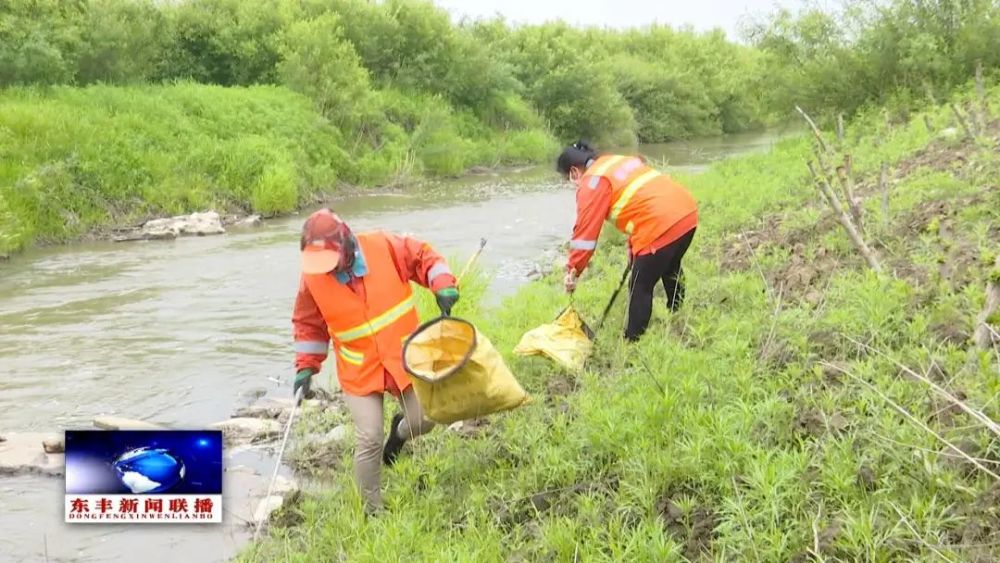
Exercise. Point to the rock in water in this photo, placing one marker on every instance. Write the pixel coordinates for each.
(119, 423)
(208, 223)
(20, 453)
(285, 487)
(53, 446)
(160, 229)
(248, 222)
(198, 224)
(265, 508)
(247, 430)
(266, 407)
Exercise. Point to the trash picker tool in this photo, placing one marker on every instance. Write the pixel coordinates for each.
(277, 463)
(614, 296)
(465, 270)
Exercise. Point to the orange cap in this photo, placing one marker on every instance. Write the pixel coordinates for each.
(322, 240)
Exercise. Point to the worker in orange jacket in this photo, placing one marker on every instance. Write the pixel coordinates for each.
(657, 213)
(355, 290)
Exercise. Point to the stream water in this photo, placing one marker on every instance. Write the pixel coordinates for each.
(183, 332)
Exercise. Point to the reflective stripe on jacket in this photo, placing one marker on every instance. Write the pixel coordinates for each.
(650, 207)
(369, 318)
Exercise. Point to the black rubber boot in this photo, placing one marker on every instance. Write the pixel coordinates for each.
(394, 444)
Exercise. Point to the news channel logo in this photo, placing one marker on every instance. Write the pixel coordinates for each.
(143, 476)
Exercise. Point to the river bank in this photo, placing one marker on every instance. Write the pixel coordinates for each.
(165, 150)
(797, 421)
(685, 157)
(185, 332)
(208, 222)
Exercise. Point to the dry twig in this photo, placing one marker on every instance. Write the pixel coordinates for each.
(844, 175)
(753, 258)
(915, 534)
(974, 413)
(845, 221)
(815, 130)
(962, 121)
(982, 336)
(984, 105)
(883, 186)
(914, 419)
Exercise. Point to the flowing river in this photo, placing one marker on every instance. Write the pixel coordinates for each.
(183, 332)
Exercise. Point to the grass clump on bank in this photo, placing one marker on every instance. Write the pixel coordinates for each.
(76, 159)
(774, 439)
(79, 159)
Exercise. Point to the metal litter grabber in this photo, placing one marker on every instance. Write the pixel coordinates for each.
(607, 308)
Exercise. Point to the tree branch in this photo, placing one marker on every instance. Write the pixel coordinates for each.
(815, 130)
(844, 175)
(914, 419)
(823, 185)
(962, 121)
(982, 336)
(884, 188)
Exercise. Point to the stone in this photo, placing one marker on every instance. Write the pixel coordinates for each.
(263, 411)
(284, 487)
(314, 404)
(338, 434)
(250, 222)
(265, 508)
(246, 430)
(949, 133)
(160, 232)
(208, 223)
(53, 446)
(119, 423)
(278, 408)
(196, 224)
(22, 454)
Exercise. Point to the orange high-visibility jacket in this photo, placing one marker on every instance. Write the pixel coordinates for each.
(370, 317)
(653, 209)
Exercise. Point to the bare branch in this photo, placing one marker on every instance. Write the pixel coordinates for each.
(914, 420)
(844, 175)
(984, 105)
(962, 121)
(765, 350)
(976, 414)
(859, 242)
(982, 336)
(753, 258)
(815, 527)
(884, 188)
(815, 130)
(930, 451)
(917, 535)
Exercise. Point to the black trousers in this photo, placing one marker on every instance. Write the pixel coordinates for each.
(664, 266)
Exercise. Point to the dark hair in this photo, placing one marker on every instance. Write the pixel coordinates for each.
(577, 154)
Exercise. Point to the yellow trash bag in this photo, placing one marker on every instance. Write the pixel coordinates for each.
(457, 373)
(567, 341)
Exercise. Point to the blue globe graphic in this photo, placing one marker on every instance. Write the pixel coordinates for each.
(148, 470)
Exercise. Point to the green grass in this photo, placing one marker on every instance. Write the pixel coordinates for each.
(758, 450)
(77, 159)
